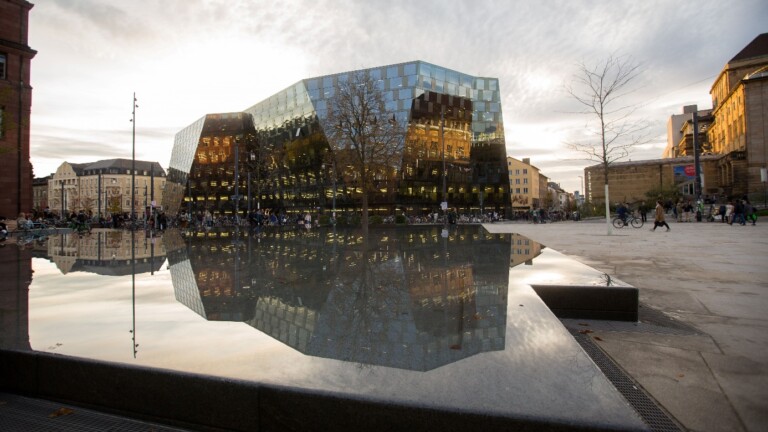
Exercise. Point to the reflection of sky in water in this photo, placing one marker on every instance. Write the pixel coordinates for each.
(540, 366)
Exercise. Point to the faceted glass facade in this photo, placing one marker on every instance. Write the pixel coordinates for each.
(280, 144)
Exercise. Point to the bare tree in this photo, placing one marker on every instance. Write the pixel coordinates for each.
(366, 141)
(601, 90)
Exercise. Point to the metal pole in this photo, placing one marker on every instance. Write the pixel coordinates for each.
(62, 200)
(444, 204)
(696, 153)
(98, 198)
(133, 160)
(237, 184)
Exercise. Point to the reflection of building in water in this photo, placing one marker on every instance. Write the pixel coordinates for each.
(107, 252)
(409, 299)
(523, 250)
(16, 270)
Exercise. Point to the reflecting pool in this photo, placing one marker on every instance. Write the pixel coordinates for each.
(405, 315)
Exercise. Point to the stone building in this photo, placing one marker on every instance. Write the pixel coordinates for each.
(15, 101)
(104, 187)
(740, 119)
(633, 181)
(523, 184)
(40, 193)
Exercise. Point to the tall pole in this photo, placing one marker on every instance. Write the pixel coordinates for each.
(236, 197)
(444, 204)
(696, 153)
(98, 198)
(133, 160)
(63, 217)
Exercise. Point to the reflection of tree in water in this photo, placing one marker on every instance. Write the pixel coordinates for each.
(365, 308)
(406, 298)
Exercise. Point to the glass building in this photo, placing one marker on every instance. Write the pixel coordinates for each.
(272, 155)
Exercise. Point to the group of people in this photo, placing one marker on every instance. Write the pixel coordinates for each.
(739, 211)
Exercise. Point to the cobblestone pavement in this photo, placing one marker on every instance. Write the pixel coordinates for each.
(711, 276)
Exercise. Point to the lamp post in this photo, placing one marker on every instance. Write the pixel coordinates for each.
(133, 159)
(62, 200)
(444, 204)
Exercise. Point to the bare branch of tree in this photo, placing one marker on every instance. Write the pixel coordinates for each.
(365, 139)
(601, 89)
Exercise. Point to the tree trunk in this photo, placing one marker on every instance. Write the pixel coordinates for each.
(608, 212)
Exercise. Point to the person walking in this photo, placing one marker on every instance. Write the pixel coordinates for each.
(659, 220)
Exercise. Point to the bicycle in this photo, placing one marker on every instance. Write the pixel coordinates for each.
(633, 220)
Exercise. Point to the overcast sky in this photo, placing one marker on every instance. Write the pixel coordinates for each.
(186, 58)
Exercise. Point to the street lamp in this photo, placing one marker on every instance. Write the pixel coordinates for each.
(444, 204)
(133, 159)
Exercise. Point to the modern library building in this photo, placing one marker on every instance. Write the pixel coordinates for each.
(275, 155)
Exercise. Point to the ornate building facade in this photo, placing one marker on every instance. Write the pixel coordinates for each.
(104, 187)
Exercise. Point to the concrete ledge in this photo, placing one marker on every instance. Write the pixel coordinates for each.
(615, 303)
(211, 403)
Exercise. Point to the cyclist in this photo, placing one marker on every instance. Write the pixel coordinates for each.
(622, 213)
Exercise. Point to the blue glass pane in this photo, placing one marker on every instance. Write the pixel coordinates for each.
(439, 73)
(493, 85)
(328, 82)
(439, 86)
(479, 106)
(379, 85)
(376, 74)
(411, 80)
(396, 83)
(426, 82)
(312, 84)
(425, 69)
(495, 107)
(410, 69)
(391, 71)
(466, 81)
(343, 78)
(452, 77)
(479, 83)
(406, 93)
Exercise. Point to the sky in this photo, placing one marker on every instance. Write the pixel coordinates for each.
(186, 58)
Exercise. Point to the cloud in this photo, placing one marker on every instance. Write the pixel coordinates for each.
(185, 58)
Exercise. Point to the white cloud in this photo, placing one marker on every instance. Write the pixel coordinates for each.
(188, 58)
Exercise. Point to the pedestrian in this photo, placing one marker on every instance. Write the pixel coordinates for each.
(659, 220)
(721, 212)
(729, 212)
(750, 211)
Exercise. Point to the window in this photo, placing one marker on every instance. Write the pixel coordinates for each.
(3, 65)
(525, 170)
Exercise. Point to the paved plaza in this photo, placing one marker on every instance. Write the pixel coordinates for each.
(711, 276)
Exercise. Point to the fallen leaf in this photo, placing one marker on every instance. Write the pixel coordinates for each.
(680, 375)
(598, 338)
(585, 331)
(477, 316)
(456, 347)
(583, 324)
(61, 412)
